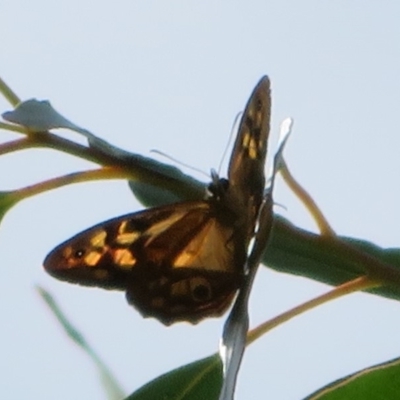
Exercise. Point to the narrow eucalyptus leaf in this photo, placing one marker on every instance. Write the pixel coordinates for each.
(299, 252)
(291, 249)
(200, 380)
(7, 201)
(380, 381)
(39, 116)
(109, 382)
(152, 195)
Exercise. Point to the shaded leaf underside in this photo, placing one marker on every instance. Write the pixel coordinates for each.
(291, 249)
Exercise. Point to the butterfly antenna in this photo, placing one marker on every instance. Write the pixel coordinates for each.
(182, 164)
(233, 130)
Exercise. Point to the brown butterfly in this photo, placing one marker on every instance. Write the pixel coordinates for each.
(184, 261)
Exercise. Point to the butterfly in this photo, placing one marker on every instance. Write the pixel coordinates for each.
(183, 261)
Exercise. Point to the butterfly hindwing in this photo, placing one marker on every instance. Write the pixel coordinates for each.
(184, 261)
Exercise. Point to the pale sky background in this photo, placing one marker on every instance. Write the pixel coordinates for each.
(172, 75)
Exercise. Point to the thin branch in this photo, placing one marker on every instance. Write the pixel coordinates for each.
(76, 177)
(8, 93)
(135, 167)
(12, 128)
(355, 285)
(307, 200)
(51, 141)
(16, 145)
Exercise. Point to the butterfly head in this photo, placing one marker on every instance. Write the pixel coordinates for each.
(218, 187)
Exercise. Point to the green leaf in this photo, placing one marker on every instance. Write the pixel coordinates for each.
(380, 382)
(291, 249)
(153, 195)
(110, 384)
(40, 116)
(199, 380)
(299, 252)
(7, 201)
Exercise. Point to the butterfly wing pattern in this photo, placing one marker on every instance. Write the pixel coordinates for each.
(184, 261)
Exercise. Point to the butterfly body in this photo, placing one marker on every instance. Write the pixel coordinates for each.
(184, 261)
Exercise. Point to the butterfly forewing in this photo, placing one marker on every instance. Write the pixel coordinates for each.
(176, 262)
(247, 163)
(185, 261)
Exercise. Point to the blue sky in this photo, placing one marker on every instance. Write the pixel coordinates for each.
(172, 76)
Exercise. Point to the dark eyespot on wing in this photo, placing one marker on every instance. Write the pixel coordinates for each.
(189, 295)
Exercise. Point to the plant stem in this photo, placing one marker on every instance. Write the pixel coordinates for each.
(76, 177)
(355, 285)
(8, 93)
(12, 128)
(307, 200)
